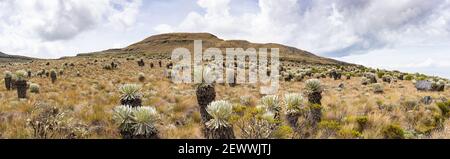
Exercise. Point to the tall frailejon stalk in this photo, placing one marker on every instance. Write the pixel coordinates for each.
(29, 73)
(141, 63)
(313, 89)
(136, 123)
(294, 106)
(219, 127)
(206, 94)
(13, 81)
(53, 75)
(8, 79)
(21, 84)
(131, 95)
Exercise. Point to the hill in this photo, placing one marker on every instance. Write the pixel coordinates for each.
(164, 44)
(13, 58)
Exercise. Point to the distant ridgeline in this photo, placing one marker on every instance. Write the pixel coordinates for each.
(13, 58)
(162, 46)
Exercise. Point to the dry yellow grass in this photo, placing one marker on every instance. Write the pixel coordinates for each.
(91, 98)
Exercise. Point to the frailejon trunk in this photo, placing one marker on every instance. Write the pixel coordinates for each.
(316, 116)
(292, 119)
(13, 84)
(220, 133)
(8, 83)
(205, 95)
(133, 103)
(315, 98)
(53, 76)
(129, 135)
(21, 89)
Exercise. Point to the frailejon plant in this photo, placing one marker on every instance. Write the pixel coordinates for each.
(53, 75)
(144, 119)
(141, 63)
(372, 77)
(272, 103)
(29, 73)
(136, 123)
(131, 95)
(438, 86)
(8, 79)
(21, 84)
(387, 78)
(34, 88)
(219, 127)
(141, 77)
(13, 81)
(313, 90)
(294, 106)
(377, 88)
(206, 94)
(315, 114)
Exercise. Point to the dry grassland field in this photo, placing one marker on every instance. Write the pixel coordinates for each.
(80, 98)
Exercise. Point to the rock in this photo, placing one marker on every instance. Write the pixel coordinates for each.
(427, 100)
(423, 85)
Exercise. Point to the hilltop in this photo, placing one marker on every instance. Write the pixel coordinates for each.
(164, 44)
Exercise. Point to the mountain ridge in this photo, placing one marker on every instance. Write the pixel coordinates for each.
(14, 58)
(164, 44)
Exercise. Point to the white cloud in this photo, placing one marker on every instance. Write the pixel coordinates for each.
(376, 33)
(35, 27)
(333, 28)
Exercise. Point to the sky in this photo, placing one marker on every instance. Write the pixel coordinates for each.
(405, 35)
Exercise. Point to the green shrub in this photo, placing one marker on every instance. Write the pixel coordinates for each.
(409, 77)
(380, 74)
(362, 122)
(444, 107)
(393, 132)
(283, 132)
(410, 104)
(349, 134)
(329, 125)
